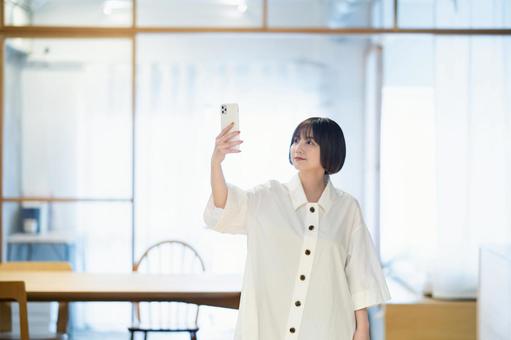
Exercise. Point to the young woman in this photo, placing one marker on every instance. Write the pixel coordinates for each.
(311, 269)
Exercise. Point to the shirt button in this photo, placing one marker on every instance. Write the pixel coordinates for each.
(302, 277)
(298, 303)
(311, 227)
(292, 329)
(312, 209)
(307, 252)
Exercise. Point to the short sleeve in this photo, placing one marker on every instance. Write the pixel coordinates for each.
(232, 218)
(363, 269)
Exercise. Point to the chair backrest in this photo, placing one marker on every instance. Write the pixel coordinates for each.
(169, 257)
(63, 314)
(15, 291)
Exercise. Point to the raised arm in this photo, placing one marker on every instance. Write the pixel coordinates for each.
(224, 144)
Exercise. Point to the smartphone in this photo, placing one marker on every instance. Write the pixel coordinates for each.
(230, 114)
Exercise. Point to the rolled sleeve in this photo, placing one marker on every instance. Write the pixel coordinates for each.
(233, 218)
(363, 271)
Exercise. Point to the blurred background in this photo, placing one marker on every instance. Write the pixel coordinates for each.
(110, 109)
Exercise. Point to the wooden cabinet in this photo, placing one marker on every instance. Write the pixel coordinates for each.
(412, 316)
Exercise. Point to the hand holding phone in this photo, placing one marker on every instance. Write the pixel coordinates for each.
(228, 140)
(230, 114)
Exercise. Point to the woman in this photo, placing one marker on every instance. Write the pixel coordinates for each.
(311, 269)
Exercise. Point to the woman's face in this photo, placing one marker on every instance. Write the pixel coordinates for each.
(305, 153)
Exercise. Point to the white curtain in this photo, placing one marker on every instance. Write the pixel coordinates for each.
(446, 145)
(446, 158)
(473, 148)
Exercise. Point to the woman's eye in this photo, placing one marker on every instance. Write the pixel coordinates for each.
(309, 142)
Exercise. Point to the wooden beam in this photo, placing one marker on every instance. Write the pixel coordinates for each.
(395, 15)
(265, 14)
(108, 32)
(2, 65)
(2, 13)
(134, 14)
(133, 140)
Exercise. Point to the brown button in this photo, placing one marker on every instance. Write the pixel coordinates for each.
(297, 303)
(311, 227)
(312, 209)
(302, 277)
(292, 329)
(307, 252)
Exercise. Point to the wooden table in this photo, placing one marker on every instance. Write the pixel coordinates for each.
(220, 290)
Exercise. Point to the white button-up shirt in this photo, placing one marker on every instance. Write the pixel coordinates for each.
(309, 266)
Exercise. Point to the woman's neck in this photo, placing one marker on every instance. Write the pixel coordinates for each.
(313, 184)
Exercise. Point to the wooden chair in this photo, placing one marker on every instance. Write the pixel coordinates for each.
(15, 291)
(63, 311)
(167, 257)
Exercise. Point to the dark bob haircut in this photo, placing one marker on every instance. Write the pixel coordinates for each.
(328, 134)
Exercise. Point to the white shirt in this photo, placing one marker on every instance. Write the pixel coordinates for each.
(309, 266)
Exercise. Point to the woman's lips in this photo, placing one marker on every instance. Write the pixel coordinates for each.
(299, 159)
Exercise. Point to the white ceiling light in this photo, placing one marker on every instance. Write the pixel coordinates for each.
(110, 6)
(242, 7)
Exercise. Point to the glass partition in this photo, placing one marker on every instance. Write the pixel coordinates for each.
(455, 14)
(117, 13)
(200, 13)
(67, 118)
(330, 14)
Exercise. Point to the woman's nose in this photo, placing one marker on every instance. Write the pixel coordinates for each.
(299, 149)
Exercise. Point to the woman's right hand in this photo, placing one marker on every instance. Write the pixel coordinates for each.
(225, 144)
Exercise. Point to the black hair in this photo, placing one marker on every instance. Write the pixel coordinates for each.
(328, 134)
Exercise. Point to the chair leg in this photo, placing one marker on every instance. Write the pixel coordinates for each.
(132, 335)
(5, 317)
(145, 335)
(193, 336)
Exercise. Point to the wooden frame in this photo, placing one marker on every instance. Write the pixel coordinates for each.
(2, 57)
(132, 32)
(133, 127)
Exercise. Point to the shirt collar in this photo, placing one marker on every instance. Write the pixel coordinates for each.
(298, 197)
